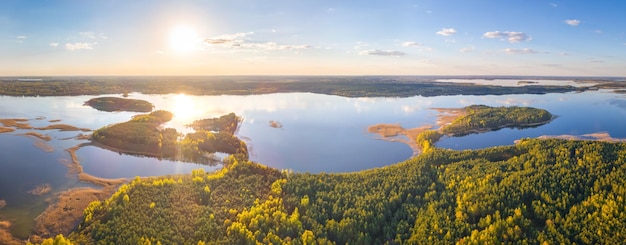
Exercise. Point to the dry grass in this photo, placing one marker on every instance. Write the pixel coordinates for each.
(6, 130)
(43, 145)
(67, 212)
(64, 127)
(38, 135)
(19, 123)
(41, 189)
(389, 132)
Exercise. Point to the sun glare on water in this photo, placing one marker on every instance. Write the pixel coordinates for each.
(184, 107)
(183, 39)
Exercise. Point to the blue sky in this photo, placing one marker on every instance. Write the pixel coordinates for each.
(314, 37)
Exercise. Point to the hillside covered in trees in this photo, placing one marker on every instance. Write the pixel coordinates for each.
(537, 191)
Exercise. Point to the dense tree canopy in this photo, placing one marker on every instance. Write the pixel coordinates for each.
(119, 104)
(481, 118)
(143, 135)
(537, 191)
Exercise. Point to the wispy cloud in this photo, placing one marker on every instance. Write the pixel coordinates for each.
(53, 44)
(79, 46)
(510, 36)
(360, 45)
(572, 22)
(382, 52)
(411, 44)
(20, 39)
(240, 41)
(521, 51)
(467, 49)
(446, 32)
(92, 35)
(554, 5)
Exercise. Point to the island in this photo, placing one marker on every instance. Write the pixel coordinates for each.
(457, 122)
(144, 135)
(119, 104)
(482, 118)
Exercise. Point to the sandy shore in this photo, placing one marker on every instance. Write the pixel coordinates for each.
(448, 115)
(19, 123)
(390, 132)
(6, 130)
(5, 235)
(67, 212)
(38, 135)
(62, 216)
(64, 127)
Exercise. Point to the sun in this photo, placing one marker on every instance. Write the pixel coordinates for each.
(183, 39)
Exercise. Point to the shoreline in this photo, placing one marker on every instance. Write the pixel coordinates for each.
(390, 131)
(526, 125)
(65, 212)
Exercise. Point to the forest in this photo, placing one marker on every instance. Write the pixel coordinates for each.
(359, 86)
(481, 118)
(119, 104)
(142, 135)
(535, 192)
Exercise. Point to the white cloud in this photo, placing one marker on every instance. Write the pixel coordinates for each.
(554, 5)
(331, 10)
(446, 32)
(520, 51)
(510, 36)
(79, 46)
(92, 35)
(572, 22)
(20, 39)
(563, 54)
(159, 52)
(467, 49)
(382, 52)
(53, 44)
(227, 39)
(239, 41)
(411, 44)
(360, 45)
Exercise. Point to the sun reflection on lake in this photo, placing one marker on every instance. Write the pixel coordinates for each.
(184, 107)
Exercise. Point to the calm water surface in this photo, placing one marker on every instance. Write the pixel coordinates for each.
(320, 133)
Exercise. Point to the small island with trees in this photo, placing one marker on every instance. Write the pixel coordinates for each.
(119, 104)
(143, 135)
(457, 122)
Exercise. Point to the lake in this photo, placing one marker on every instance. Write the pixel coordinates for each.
(319, 133)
